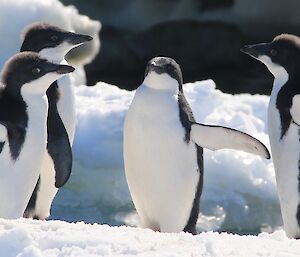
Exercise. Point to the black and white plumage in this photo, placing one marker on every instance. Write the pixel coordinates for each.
(163, 152)
(53, 43)
(23, 116)
(282, 58)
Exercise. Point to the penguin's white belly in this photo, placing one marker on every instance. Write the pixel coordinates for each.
(19, 177)
(286, 155)
(161, 168)
(47, 189)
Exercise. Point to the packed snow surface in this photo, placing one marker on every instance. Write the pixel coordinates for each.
(239, 189)
(28, 238)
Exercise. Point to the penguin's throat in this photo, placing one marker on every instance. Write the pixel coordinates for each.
(280, 74)
(280, 79)
(161, 82)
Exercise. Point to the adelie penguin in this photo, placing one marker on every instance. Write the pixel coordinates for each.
(163, 150)
(282, 58)
(23, 127)
(53, 43)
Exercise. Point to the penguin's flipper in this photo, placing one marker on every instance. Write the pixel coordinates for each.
(295, 109)
(58, 146)
(60, 150)
(3, 136)
(217, 137)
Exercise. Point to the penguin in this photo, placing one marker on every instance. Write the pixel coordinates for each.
(23, 127)
(163, 150)
(282, 58)
(53, 43)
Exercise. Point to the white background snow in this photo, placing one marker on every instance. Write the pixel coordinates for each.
(239, 189)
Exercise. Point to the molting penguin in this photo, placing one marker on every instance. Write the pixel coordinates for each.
(163, 152)
(23, 119)
(53, 43)
(282, 58)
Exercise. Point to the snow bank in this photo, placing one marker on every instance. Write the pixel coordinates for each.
(239, 189)
(15, 15)
(27, 238)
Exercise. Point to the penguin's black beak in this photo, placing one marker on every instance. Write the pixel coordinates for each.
(65, 69)
(60, 69)
(77, 39)
(257, 50)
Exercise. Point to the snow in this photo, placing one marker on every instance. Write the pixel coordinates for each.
(28, 238)
(53, 12)
(239, 189)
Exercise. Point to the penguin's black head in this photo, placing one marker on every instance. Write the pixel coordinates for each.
(50, 41)
(283, 51)
(164, 66)
(29, 73)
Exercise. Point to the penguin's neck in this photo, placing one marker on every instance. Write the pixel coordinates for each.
(66, 103)
(58, 60)
(161, 82)
(281, 76)
(53, 56)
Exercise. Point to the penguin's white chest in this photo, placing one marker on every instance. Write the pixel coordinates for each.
(285, 155)
(161, 167)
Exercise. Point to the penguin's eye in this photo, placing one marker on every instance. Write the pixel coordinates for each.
(54, 38)
(273, 52)
(36, 71)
